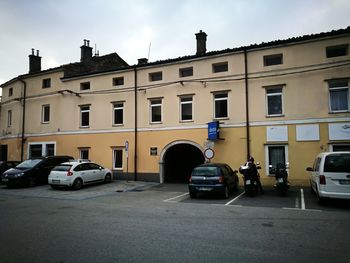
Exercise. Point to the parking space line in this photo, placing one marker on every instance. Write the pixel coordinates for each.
(173, 198)
(302, 199)
(234, 199)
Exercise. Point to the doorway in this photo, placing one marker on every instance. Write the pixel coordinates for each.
(179, 159)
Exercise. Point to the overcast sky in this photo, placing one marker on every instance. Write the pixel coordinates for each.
(57, 28)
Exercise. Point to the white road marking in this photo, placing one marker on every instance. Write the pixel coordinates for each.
(234, 199)
(302, 199)
(173, 198)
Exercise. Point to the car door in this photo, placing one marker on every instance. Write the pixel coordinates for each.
(96, 172)
(82, 171)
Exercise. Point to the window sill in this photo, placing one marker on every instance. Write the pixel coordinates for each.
(118, 125)
(45, 122)
(84, 127)
(340, 111)
(221, 118)
(275, 116)
(186, 121)
(118, 169)
(158, 122)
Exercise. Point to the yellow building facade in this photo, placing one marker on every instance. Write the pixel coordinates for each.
(282, 101)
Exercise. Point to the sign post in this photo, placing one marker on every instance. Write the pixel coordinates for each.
(209, 154)
(127, 158)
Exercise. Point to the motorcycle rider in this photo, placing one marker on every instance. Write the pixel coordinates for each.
(255, 173)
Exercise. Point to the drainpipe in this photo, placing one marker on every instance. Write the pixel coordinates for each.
(23, 117)
(247, 101)
(135, 132)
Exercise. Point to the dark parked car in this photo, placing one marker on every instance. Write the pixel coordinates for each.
(5, 165)
(33, 171)
(213, 177)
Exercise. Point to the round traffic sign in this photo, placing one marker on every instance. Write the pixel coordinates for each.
(209, 153)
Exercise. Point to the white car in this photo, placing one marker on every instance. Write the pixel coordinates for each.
(330, 175)
(78, 173)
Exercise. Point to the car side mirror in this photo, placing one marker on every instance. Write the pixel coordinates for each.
(309, 169)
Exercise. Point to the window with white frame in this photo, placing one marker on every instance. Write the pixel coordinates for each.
(39, 149)
(186, 108)
(274, 101)
(221, 105)
(9, 118)
(84, 153)
(339, 96)
(156, 110)
(117, 159)
(275, 154)
(45, 114)
(84, 116)
(118, 113)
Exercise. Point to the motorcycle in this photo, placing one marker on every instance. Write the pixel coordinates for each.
(281, 176)
(250, 178)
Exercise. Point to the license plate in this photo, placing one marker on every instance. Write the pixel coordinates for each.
(205, 189)
(5, 180)
(344, 181)
(247, 182)
(280, 180)
(56, 181)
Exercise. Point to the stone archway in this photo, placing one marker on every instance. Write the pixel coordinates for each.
(177, 161)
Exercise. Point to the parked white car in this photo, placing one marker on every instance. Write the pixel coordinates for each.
(78, 173)
(330, 175)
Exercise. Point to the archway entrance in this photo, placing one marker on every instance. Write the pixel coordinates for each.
(179, 160)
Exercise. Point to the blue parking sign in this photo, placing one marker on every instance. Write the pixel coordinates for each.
(213, 130)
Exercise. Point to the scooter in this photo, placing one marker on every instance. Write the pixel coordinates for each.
(250, 177)
(281, 176)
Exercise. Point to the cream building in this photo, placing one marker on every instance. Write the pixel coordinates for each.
(282, 101)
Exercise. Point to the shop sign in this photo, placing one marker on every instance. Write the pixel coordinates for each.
(213, 130)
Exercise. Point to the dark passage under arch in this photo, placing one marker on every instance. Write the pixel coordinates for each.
(179, 160)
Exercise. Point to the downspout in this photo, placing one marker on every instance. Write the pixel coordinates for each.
(23, 117)
(247, 101)
(135, 132)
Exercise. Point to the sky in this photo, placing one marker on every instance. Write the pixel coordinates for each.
(158, 29)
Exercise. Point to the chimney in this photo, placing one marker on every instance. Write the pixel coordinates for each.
(86, 51)
(201, 43)
(34, 62)
(142, 61)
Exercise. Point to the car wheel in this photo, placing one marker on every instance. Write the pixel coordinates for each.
(193, 194)
(78, 184)
(32, 181)
(226, 192)
(108, 178)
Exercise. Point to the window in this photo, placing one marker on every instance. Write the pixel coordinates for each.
(84, 153)
(276, 154)
(220, 105)
(118, 113)
(10, 92)
(118, 159)
(84, 116)
(156, 110)
(118, 81)
(186, 108)
(85, 86)
(9, 118)
(186, 72)
(271, 60)
(36, 150)
(340, 147)
(45, 114)
(274, 101)
(337, 51)
(46, 83)
(155, 76)
(220, 67)
(338, 96)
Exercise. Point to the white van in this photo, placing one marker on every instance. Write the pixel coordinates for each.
(330, 175)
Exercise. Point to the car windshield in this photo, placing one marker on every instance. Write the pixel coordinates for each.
(338, 163)
(205, 171)
(62, 167)
(29, 163)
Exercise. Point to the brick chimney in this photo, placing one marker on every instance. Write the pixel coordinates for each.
(201, 43)
(86, 51)
(34, 62)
